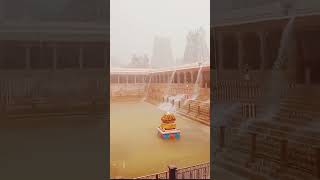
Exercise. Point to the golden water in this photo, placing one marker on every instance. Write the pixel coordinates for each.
(136, 150)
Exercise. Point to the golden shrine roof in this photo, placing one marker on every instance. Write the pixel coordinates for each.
(168, 118)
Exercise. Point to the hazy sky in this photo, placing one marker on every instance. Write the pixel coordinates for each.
(134, 23)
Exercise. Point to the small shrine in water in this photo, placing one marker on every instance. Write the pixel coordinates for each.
(167, 129)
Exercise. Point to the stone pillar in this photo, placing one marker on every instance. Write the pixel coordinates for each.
(118, 79)
(81, 57)
(185, 76)
(262, 37)
(135, 79)
(253, 147)
(240, 50)
(127, 79)
(27, 54)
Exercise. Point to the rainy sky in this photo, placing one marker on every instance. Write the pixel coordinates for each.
(135, 23)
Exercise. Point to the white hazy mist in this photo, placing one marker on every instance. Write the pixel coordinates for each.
(135, 23)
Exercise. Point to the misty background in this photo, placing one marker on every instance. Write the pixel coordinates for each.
(134, 25)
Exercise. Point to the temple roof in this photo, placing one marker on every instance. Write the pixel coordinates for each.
(130, 70)
(157, 70)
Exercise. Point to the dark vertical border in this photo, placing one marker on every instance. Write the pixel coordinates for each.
(211, 89)
(107, 74)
